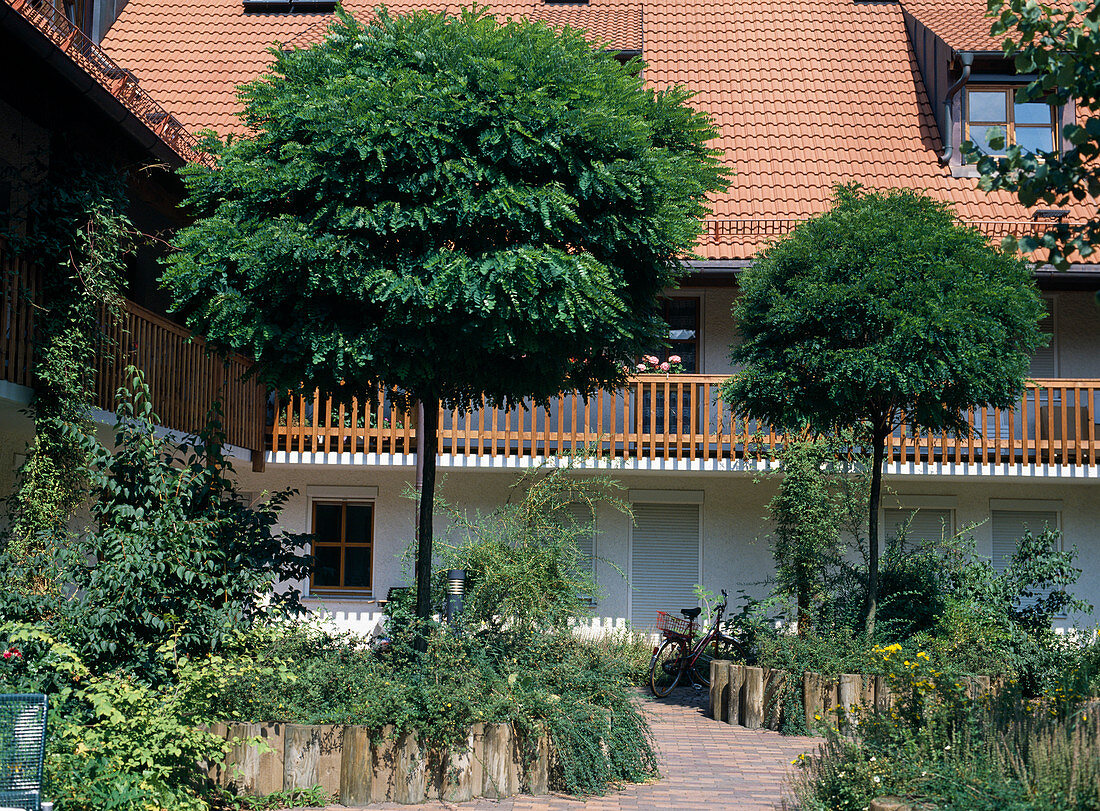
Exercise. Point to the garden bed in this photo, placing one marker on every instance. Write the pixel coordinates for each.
(757, 697)
(361, 766)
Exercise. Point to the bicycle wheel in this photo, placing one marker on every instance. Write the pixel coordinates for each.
(666, 667)
(722, 649)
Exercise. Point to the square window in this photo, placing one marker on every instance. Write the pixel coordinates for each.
(343, 548)
(994, 112)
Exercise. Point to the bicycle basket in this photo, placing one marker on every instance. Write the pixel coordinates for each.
(673, 625)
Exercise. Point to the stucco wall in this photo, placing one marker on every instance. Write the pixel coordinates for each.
(1077, 334)
(1076, 331)
(735, 552)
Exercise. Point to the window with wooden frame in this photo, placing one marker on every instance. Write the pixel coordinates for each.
(996, 111)
(682, 315)
(343, 546)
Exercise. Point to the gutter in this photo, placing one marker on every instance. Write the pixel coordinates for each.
(967, 59)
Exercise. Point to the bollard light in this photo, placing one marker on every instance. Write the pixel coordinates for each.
(456, 592)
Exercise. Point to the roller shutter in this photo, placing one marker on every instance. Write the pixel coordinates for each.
(664, 560)
(927, 524)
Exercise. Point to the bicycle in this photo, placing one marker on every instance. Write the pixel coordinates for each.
(677, 654)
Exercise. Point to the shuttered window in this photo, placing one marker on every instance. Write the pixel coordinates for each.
(1044, 364)
(664, 560)
(1009, 527)
(924, 524)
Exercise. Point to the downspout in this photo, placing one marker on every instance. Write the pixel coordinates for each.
(967, 60)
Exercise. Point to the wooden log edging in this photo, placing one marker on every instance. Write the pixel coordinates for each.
(756, 697)
(360, 767)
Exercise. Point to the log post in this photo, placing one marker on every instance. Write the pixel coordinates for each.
(719, 690)
(735, 691)
(754, 698)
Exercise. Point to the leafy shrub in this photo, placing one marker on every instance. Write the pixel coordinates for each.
(173, 553)
(113, 742)
(939, 747)
(522, 561)
(579, 692)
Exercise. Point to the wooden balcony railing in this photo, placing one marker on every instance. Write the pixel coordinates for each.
(183, 378)
(682, 417)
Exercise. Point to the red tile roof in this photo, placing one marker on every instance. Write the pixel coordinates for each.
(961, 24)
(620, 28)
(73, 43)
(806, 93)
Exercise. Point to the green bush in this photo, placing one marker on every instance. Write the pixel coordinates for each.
(172, 553)
(940, 747)
(523, 565)
(114, 742)
(580, 693)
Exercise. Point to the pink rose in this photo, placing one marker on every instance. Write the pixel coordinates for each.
(665, 367)
(651, 359)
(641, 367)
(673, 358)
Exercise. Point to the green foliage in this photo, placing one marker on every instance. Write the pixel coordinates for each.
(79, 236)
(1002, 622)
(883, 310)
(449, 205)
(173, 554)
(884, 306)
(944, 600)
(819, 502)
(523, 566)
(580, 693)
(1057, 44)
(113, 743)
(939, 746)
(177, 556)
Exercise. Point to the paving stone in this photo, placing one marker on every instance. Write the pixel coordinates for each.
(704, 765)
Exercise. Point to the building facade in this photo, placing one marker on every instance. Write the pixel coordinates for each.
(806, 95)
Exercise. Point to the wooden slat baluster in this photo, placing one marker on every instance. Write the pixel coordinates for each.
(1049, 445)
(1091, 418)
(598, 439)
(341, 428)
(1066, 427)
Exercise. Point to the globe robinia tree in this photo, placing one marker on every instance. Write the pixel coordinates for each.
(886, 308)
(448, 206)
(1060, 46)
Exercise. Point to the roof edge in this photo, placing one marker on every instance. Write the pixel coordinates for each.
(110, 86)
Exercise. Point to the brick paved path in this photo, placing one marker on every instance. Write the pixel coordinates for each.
(704, 765)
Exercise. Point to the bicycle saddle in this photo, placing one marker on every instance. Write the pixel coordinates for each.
(691, 613)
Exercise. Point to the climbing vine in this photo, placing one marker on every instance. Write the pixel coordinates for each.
(79, 236)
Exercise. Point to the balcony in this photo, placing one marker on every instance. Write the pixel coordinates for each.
(183, 377)
(679, 422)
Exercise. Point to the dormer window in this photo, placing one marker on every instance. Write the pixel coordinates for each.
(995, 111)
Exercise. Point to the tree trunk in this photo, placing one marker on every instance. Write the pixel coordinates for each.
(877, 454)
(429, 429)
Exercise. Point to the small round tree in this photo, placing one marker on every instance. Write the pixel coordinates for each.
(884, 309)
(450, 206)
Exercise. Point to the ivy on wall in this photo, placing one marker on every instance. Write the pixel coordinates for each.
(79, 235)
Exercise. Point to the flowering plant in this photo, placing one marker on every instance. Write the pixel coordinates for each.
(651, 364)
